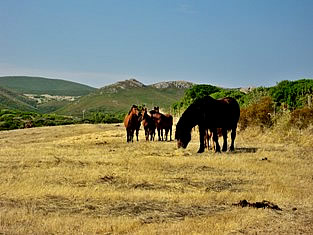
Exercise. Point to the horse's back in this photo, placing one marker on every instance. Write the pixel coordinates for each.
(220, 113)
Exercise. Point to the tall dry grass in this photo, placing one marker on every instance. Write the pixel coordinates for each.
(86, 179)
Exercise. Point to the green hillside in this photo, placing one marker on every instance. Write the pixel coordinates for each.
(119, 97)
(12, 100)
(39, 85)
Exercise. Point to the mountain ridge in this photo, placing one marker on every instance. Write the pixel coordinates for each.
(119, 96)
(134, 83)
(12, 100)
(113, 98)
(41, 85)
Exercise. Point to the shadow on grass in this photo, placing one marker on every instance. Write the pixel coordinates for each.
(245, 150)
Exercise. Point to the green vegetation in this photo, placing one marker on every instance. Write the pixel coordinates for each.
(262, 106)
(12, 100)
(39, 85)
(10, 119)
(293, 94)
(99, 117)
(290, 94)
(109, 101)
(13, 119)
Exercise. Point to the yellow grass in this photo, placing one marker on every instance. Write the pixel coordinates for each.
(85, 179)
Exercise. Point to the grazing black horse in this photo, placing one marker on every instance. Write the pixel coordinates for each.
(209, 113)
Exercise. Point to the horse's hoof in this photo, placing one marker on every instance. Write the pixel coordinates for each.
(217, 150)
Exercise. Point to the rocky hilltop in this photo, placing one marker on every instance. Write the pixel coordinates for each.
(173, 84)
(133, 83)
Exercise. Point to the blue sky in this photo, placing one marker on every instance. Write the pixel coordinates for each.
(229, 43)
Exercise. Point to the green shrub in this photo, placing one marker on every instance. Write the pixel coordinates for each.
(11, 119)
(100, 117)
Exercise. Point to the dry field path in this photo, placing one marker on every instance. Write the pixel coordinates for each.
(85, 179)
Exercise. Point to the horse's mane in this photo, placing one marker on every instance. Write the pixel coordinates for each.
(190, 117)
(193, 111)
(186, 121)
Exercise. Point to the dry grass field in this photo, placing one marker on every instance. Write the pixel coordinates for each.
(85, 179)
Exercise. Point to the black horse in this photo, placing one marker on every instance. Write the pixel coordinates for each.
(209, 113)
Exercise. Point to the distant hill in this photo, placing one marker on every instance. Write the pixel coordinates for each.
(39, 85)
(12, 100)
(119, 96)
(173, 84)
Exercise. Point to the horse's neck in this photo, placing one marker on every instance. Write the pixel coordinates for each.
(133, 116)
(146, 116)
(190, 119)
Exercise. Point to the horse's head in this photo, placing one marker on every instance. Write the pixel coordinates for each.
(182, 137)
(134, 110)
(143, 111)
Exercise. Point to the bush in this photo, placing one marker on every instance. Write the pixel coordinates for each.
(100, 117)
(257, 114)
(12, 119)
(301, 118)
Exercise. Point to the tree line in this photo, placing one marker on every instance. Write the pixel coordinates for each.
(262, 106)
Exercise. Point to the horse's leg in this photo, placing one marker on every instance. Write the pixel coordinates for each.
(166, 133)
(159, 134)
(215, 139)
(224, 132)
(161, 130)
(127, 135)
(147, 133)
(170, 133)
(233, 136)
(153, 135)
(132, 135)
(206, 139)
(137, 133)
(212, 145)
(201, 133)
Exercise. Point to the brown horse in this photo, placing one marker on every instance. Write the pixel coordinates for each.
(209, 113)
(148, 124)
(131, 123)
(138, 124)
(208, 138)
(162, 121)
